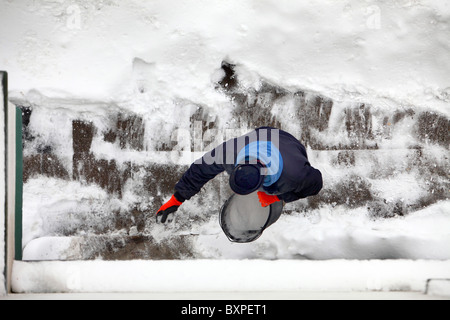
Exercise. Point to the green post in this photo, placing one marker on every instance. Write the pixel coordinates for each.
(19, 185)
(4, 96)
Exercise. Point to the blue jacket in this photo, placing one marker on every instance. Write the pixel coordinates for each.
(298, 179)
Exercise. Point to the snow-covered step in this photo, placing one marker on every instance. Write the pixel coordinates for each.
(109, 247)
(226, 276)
(329, 234)
(438, 287)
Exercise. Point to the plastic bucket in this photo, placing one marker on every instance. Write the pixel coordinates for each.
(243, 219)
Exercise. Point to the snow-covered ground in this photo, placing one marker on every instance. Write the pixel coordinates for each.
(379, 70)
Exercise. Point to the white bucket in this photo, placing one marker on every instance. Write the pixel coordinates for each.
(243, 219)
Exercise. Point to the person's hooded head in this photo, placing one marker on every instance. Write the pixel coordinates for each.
(247, 178)
(259, 165)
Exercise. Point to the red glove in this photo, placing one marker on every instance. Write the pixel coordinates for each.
(169, 207)
(267, 199)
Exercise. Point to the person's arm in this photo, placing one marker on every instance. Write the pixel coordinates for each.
(310, 185)
(198, 174)
(192, 181)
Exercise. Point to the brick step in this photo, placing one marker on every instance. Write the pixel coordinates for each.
(110, 247)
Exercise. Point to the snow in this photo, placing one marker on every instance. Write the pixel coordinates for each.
(341, 233)
(226, 276)
(75, 59)
(329, 47)
(42, 210)
(439, 287)
(327, 233)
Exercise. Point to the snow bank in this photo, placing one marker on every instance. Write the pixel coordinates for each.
(350, 49)
(226, 276)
